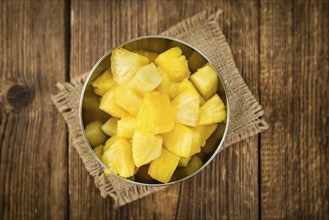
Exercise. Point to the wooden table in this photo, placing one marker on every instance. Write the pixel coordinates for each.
(280, 47)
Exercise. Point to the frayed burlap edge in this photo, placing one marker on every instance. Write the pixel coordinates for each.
(67, 102)
(195, 30)
(206, 35)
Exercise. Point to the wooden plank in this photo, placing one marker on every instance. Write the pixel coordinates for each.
(33, 164)
(294, 52)
(233, 192)
(95, 29)
(228, 188)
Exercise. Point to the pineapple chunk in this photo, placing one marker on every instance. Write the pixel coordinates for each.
(106, 158)
(183, 162)
(124, 64)
(176, 89)
(186, 108)
(202, 100)
(165, 83)
(110, 141)
(163, 167)
(94, 133)
(179, 140)
(146, 79)
(109, 106)
(156, 115)
(119, 158)
(196, 141)
(99, 151)
(206, 81)
(146, 148)
(174, 63)
(103, 83)
(108, 145)
(126, 127)
(110, 127)
(149, 54)
(127, 99)
(212, 111)
(206, 131)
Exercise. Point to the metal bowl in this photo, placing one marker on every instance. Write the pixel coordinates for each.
(89, 102)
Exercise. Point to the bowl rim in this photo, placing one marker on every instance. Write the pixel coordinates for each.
(194, 49)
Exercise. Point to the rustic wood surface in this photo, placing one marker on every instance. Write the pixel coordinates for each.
(282, 51)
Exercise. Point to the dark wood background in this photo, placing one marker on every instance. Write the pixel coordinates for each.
(281, 48)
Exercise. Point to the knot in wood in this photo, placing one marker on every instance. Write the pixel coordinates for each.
(18, 96)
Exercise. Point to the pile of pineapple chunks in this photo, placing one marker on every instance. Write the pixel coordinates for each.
(161, 114)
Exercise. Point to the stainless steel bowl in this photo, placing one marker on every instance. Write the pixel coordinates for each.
(89, 101)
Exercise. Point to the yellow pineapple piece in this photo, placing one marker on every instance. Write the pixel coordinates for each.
(103, 83)
(212, 111)
(126, 127)
(94, 133)
(109, 106)
(146, 79)
(206, 81)
(124, 64)
(156, 115)
(109, 142)
(119, 158)
(99, 151)
(174, 63)
(176, 89)
(149, 54)
(186, 108)
(196, 141)
(146, 148)
(202, 100)
(179, 140)
(206, 131)
(110, 127)
(105, 158)
(183, 162)
(179, 87)
(127, 99)
(165, 83)
(163, 167)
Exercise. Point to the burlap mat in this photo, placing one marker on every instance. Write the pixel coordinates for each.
(205, 34)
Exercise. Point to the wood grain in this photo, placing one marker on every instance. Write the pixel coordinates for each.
(294, 93)
(33, 165)
(282, 51)
(229, 187)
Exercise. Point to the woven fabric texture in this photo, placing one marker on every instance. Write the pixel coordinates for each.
(204, 33)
